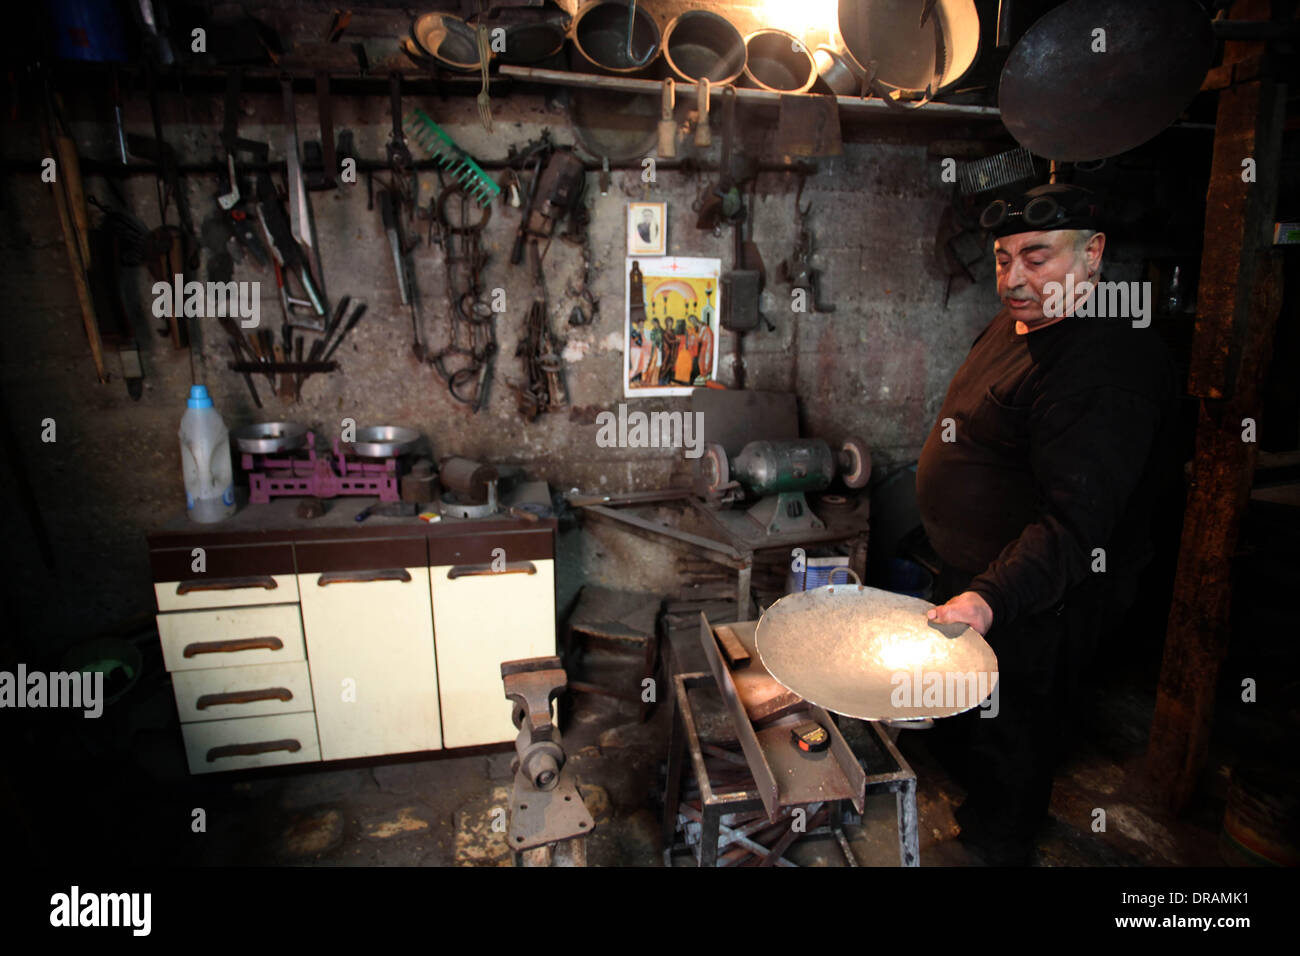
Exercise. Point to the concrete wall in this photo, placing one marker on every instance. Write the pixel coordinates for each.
(878, 366)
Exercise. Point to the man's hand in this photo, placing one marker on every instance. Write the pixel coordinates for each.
(966, 608)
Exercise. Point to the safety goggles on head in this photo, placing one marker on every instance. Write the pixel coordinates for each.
(1041, 212)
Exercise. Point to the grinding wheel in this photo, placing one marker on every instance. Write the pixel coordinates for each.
(872, 654)
(714, 467)
(855, 463)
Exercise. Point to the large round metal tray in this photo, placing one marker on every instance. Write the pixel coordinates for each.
(613, 125)
(872, 654)
(268, 438)
(383, 441)
(448, 39)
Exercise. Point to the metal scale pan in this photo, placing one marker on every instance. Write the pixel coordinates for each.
(871, 654)
(269, 438)
(383, 441)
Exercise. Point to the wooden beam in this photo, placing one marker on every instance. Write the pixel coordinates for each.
(1240, 296)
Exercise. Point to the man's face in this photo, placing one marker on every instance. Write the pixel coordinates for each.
(647, 216)
(1028, 261)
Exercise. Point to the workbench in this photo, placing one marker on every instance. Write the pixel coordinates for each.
(729, 538)
(293, 640)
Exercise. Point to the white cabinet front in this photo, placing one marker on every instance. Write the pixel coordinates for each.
(370, 648)
(482, 617)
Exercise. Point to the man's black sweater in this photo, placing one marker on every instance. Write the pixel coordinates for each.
(1048, 459)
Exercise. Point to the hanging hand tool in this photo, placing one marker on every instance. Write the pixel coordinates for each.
(472, 336)
(725, 203)
(433, 139)
(300, 221)
(67, 190)
(667, 123)
(389, 216)
(798, 270)
(285, 251)
(399, 156)
(322, 152)
(352, 323)
(237, 346)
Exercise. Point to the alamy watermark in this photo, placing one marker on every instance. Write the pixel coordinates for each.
(211, 300)
(77, 690)
(651, 430)
(75, 909)
(945, 690)
(1105, 299)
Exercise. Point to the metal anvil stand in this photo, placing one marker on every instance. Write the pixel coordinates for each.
(548, 821)
(781, 778)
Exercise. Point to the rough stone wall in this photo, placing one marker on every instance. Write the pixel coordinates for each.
(878, 366)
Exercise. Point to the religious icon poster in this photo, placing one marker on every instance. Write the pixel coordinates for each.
(671, 331)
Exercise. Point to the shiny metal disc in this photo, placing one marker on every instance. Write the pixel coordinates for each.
(267, 438)
(872, 654)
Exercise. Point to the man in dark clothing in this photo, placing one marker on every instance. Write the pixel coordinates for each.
(1034, 488)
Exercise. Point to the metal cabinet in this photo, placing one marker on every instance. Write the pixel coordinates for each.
(493, 601)
(300, 646)
(369, 627)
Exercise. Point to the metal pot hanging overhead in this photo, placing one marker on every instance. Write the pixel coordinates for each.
(778, 61)
(1095, 78)
(903, 47)
(700, 45)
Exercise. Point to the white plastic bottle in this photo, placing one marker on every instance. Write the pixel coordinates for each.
(205, 460)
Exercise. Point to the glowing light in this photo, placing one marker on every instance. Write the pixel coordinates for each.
(802, 17)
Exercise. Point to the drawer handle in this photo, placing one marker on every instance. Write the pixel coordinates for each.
(240, 644)
(361, 577)
(244, 697)
(249, 750)
(474, 570)
(228, 584)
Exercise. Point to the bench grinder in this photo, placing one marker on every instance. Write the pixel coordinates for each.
(779, 473)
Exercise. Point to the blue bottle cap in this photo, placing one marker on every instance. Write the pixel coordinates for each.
(198, 397)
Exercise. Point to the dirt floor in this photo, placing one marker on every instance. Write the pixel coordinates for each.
(117, 792)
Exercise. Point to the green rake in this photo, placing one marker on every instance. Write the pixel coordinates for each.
(431, 137)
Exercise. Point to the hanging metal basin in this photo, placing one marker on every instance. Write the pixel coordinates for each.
(872, 654)
(1157, 54)
(701, 45)
(448, 40)
(908, 56)
(778, 61)
(533, 41)
(600, 39)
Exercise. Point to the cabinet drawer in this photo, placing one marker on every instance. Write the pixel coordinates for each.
(373, 672)
(215, 745)
(480, 619)
(233, 637)
(256, 691)
(238, 591)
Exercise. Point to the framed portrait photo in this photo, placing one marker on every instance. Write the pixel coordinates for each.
(647, 228)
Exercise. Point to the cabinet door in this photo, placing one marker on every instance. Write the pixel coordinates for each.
(370, 649)
(481, 618)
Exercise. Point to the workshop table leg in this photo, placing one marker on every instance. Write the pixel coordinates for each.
(673, 787)
(909, 848)
(650, 670)
(710, 827)
(743, 577)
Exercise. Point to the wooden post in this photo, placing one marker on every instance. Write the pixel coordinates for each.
(1240, 296)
